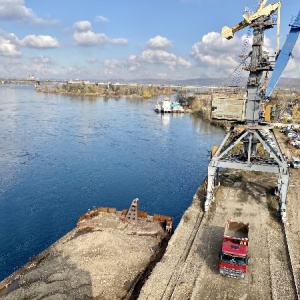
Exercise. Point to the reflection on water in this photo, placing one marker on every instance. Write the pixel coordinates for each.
(165, 119)
(61, 155)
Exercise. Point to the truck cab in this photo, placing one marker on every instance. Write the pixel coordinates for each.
(233, 257)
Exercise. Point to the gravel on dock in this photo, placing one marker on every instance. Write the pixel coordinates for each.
(102, 258)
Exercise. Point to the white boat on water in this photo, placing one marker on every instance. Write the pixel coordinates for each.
(166, 105)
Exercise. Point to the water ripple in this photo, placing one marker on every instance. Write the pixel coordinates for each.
(62, 155)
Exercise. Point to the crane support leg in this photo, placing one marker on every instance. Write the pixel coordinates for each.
(250, 160)
(212, 181)
(213, 171)
(283, 184)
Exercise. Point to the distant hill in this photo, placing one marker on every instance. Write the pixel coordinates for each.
(290, 83)
(283, 82)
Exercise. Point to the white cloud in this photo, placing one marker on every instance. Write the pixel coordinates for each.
(82, 26)
(39, 41)
(218, 57)
(292, 69)
(92, 60)
(162, 75)
(40, 21)
(155, 56)
(90, 38)
(159, 42)
(19, 68)
(158, 56)
(9, 36)
(17, 10)
(112, 63)
(9, 44)
(113, 67)
(14, 9)
(213, 51)
(7, 48)
(101, 19)
(41, 59)
(77, 72)
(133, 63)
(183, 62)
(150, 56)
(296, 50)
(213, 43)
(84, 36)
(119, 41)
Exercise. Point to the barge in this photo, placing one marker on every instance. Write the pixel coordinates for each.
(104, 257)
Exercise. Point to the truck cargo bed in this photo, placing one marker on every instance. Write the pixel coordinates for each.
(237, 230)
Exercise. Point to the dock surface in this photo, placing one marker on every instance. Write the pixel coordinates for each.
(189, 269)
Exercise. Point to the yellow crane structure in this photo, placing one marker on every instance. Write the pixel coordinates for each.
(262, 11)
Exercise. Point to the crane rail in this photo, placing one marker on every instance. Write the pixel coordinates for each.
(292, 270)
(176, 276)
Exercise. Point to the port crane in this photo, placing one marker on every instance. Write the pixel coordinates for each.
(251, 131)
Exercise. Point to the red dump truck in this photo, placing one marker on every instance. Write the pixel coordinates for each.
(233, 259)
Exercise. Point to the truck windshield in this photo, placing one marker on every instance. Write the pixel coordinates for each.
(240, 261)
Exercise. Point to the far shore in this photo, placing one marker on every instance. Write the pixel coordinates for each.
(108, 90)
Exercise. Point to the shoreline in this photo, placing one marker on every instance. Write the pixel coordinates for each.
(105, 91)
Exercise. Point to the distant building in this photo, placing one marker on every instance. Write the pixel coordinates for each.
(77, 81)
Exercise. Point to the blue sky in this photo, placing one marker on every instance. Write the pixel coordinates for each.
(130, 39)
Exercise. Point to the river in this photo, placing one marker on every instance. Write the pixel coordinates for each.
(61, 155)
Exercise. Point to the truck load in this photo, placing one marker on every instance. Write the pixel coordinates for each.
(233, 258)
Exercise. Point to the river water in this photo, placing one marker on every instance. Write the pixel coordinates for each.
(61, 155)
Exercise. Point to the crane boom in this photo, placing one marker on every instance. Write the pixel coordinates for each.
(284, 55)
(263, 11)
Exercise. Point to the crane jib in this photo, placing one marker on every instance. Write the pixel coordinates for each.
(284, 55)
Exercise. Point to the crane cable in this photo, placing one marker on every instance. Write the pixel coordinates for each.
(235, 76)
